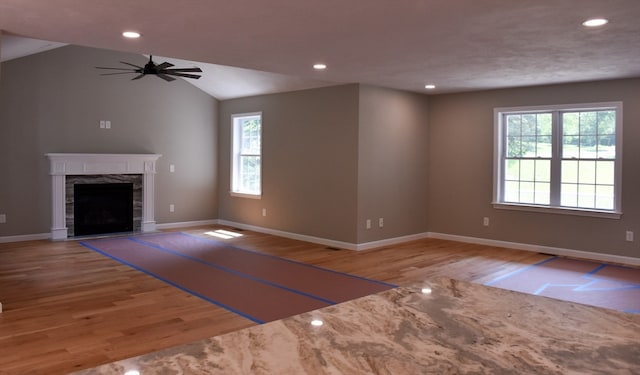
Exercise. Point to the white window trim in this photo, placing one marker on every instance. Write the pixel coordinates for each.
(498, 165)
(234, 157)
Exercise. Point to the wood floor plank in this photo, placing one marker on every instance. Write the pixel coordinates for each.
(67, 307)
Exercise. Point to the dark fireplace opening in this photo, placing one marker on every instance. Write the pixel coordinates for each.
(102, 208)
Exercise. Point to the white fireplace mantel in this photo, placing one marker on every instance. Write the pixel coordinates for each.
(100, 164)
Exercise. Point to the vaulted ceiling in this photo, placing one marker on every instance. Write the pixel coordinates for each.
(463, 45)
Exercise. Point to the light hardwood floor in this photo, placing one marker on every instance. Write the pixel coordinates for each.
(68, 308)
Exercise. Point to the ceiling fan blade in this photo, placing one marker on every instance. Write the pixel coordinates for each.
(182, 70)
(138, 77)
(126, 63)
(165, 77)
(194, 76)
(164, 65)
(102, 67)
(110, 74)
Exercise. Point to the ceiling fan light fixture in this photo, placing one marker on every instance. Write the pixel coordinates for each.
(131, 34)
(595, 22)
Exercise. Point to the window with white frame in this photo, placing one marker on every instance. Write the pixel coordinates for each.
(246, 155)
(565, 158)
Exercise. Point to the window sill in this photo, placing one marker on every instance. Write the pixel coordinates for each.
(245, 195)
(558, 210)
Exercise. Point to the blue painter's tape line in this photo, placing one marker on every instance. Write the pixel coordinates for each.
(289, 260)
(254, 319)
(512, 273)
(228, 270)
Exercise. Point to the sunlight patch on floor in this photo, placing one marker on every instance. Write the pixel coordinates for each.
(224, 234)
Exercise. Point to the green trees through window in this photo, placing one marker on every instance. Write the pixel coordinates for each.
(246, 169)
(563, 157)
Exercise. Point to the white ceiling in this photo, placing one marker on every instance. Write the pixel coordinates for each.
(458, 45)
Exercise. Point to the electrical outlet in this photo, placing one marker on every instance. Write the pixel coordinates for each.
(629, 236)
(368, 223)
(485, 221)
(381, 222)
(102, 124)
(107, 124)
(172, 208)
(3, 218)
(264, 212)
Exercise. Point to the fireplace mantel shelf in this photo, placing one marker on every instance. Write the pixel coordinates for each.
(62, 165)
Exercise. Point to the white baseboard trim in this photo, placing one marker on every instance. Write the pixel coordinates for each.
(25, 237)
(391, 241)
(294, 236)
(609, 258)
(324, 241)
(186, 224)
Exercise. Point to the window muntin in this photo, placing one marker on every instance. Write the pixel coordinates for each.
(560, 157)
(246, 160)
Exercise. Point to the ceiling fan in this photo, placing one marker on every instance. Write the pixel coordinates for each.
(161, 70)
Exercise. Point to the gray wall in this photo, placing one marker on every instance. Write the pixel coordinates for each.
(333, 157)
(392, 163)
(53, 102)
(310, 156)
(461, 170)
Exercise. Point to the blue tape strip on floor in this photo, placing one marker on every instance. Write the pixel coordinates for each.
(217, 303)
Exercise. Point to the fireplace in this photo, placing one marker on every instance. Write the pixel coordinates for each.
(71, 170)
(102, 208)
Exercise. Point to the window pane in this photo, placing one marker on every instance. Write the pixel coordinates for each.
(529, 146)
(250, 173)
(527, 170)
(569, 195)
(604, 197)
(605, 172)
(511, 191)
(543, 170)
(544, 147)
(514, 147)
(570, 123)
(514, 126)
(586, 196)
(570, 147)
(529, 124)
(544, 124)
(512, 169)
(543, 193)
(607, 122)
(527, 190)
(588, 147)
(588, 123)
(607, 146)
(569, 171)
(586, 172)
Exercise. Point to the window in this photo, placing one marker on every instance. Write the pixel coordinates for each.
(246, 155)
(561, 158)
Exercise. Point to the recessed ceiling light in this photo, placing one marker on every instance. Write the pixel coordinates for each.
(595, 22)
(429, 87)
(131, 34)
(319, 66)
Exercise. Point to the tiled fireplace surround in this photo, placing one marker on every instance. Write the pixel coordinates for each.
(101, 168)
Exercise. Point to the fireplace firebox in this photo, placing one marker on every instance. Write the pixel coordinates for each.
(103, 208)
